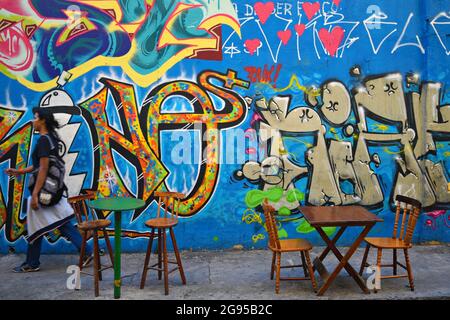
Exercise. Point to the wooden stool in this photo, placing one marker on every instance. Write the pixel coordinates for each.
(169, 199)
(89, 225)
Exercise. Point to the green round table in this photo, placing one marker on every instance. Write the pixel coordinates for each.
(117, 205)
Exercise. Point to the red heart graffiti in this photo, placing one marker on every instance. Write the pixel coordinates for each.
(284, 36)
(337, 2)
(299, 28)
(264, 10)
(331, 40)
(311, 9)
(252, 45)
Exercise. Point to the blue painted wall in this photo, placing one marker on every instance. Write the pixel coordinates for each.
(194, 66)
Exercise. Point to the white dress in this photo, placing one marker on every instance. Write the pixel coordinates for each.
(46, 219)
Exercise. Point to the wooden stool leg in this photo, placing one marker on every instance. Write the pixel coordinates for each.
(272, 269)
(380, 252)
(305, 268)
(394, 262)
(108, 246)
(409, 269)
(159, 254)
(82, 249)
(165, 261)
(99, 261)
(364, 260)
(96, 266)
(177, 256)
(147, 258)
(311, 271)
(277, 281)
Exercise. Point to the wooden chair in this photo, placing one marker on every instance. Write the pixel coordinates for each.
(399, 240)
(90, 225)
(278, 246)
(168, 200)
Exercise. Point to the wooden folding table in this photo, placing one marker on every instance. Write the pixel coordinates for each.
(343, 217)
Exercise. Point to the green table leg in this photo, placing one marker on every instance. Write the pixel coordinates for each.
(117, 249)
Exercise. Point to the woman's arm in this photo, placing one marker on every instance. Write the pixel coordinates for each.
(42, 174)
(18, 172)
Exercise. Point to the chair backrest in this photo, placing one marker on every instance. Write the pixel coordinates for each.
(271, 225)
(406, 207)
(168, 200)
(80, 207)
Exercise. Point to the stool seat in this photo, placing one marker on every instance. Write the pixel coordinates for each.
(161, 222)
(96, 224)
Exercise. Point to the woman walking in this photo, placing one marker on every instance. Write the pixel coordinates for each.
(42, 219)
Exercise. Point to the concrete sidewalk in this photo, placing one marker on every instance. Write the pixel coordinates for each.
(218, 275)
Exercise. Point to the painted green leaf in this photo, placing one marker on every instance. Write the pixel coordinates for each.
(283, 211)
(304, 227)
(282, 233)
(294, 195)
(329, 230)
(254, 198)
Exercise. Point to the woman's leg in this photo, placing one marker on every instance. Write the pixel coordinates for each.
(34, 252)
(69, 231)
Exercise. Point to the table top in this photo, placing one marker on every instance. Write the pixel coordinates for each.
(116, 204)
(332, 216)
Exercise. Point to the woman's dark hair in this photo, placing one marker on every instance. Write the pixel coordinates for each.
(49, 118)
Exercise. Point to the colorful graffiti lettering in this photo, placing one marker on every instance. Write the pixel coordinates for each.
(145, 38)
(139, 142)
(331, 162)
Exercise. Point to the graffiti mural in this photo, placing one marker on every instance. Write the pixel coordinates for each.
(143, 37)
(333, 162)
(231, 102)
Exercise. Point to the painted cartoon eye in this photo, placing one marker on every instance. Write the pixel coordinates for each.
(332, 106)
(390, 88)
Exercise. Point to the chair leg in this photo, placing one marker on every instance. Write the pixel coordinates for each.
(364, 260)
(177, 256)
(409, 269)
(311, 271)
(394, 262)
(108, 246)
(380, 252)
(165, 262)
(82, 249)
(305, 269)
(96, 266)
(159, 254)
(147, 259)
(272, 268)
(278, 267)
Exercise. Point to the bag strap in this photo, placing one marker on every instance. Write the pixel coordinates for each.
(52, 146)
